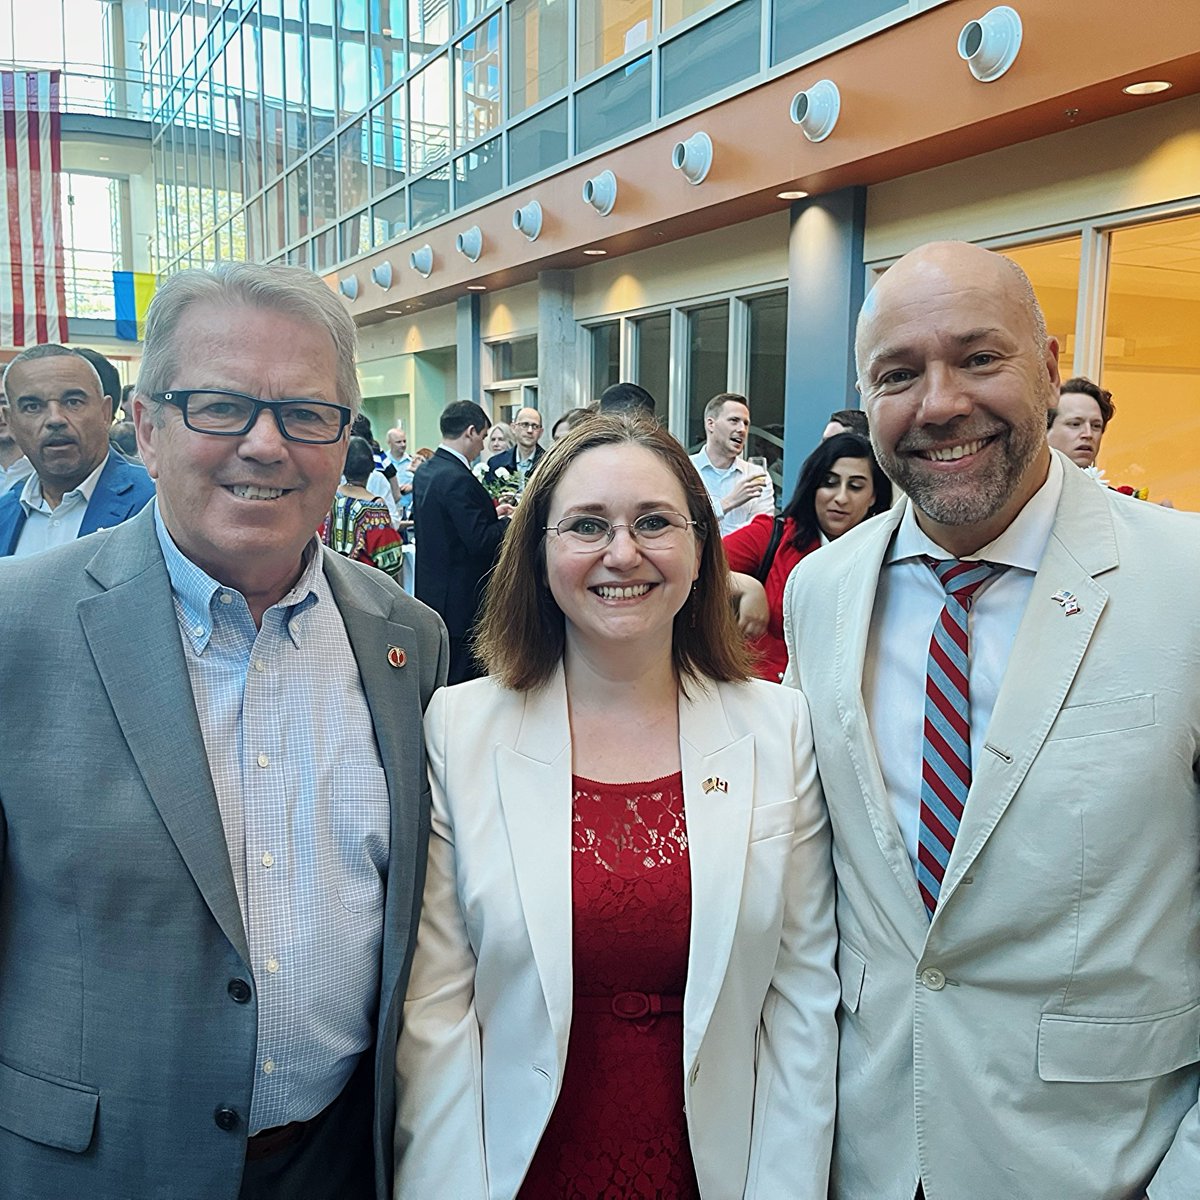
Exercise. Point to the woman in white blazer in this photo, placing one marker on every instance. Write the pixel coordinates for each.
(623, 982)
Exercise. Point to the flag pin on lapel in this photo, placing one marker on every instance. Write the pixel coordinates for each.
(713, 784)
(1067, 599)
(396, 656)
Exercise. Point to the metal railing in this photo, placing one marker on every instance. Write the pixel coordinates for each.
(94, 88)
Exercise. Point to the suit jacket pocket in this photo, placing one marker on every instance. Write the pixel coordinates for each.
(1107, 716)
(1117, 1050)
(772, 820)
(48, 1111)
(852, 970)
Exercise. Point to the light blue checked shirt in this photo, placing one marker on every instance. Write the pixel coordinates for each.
(304, 803)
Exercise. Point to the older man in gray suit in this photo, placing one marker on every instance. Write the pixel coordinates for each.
(212, 829)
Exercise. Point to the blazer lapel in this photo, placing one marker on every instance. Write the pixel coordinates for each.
(855, 604)
(718, 831)
(535, 794)
(394, 698)
(1046, 654)
(148, 686)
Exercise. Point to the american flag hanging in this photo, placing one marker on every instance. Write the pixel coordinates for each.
(33, 307)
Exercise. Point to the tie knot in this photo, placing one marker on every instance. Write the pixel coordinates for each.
(961, 579)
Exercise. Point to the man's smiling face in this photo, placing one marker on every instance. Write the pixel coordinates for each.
(957, 386)
(248, 505)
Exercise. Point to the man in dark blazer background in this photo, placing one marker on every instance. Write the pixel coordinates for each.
(520, 460)
(458, 530)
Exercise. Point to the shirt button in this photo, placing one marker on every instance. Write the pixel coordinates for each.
(263, 760)
(268, 859)
(933, 979)
(268, 1067)
(226, 598)
(198, 631)
(259, 665)
(272, 965)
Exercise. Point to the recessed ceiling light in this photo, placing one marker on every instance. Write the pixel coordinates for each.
(1147, 87)
(394, 312)
(476, 287)
(102, 157)
(596, 253)
(792, 195)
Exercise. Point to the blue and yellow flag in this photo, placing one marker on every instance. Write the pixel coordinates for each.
(133, 291)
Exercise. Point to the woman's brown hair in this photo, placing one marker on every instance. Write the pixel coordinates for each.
(522, 631)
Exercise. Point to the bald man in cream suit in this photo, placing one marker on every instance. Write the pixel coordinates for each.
(1035, 1032)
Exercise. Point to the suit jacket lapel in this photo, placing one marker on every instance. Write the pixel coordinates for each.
(718, 830)
(109, 504)
(535, 794)
(394, 698)
(855, 604)
(148, 686)
(1046, 654)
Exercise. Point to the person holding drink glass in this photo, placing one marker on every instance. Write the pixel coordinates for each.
(623, 982)
(741, 489)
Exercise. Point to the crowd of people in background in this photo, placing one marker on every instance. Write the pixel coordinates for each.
(761, 851)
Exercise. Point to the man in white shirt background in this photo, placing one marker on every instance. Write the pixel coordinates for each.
(740, 490)
(1006, 710)
(14, 466)
(60, 418)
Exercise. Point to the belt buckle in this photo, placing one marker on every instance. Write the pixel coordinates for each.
(631, 1006)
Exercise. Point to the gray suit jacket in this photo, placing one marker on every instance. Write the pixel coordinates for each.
(120, 930)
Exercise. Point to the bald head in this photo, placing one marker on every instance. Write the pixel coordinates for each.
(957, 374)
(958, 266)
(527, 425)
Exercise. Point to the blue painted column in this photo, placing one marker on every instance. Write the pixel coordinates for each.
(825, 292)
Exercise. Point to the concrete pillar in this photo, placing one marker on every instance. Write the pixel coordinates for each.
(558, 350)
(825, 292)
(469, 344)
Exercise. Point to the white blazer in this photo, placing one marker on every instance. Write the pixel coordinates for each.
(483, 1049)
(1040, 1039)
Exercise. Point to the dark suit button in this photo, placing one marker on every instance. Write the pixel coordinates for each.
(239, 990)
(226, 1118)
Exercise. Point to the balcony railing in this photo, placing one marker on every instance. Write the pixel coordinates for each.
(94, 89)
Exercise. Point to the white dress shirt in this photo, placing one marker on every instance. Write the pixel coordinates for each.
(908, 602)
(46, 527)
(720, 482)
(18, 469)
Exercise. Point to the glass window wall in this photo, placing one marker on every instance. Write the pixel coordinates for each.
(707, 365)
(615, 105)
(652, 340)
(477, 83)
(606, 356)
(537, 41)
(608, 29)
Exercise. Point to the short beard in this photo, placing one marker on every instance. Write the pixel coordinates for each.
(969, 501)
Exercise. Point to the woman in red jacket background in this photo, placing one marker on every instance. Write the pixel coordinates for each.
(839, 486)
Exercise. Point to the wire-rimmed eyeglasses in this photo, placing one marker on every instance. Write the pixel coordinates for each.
(231, 414)
(585, 532)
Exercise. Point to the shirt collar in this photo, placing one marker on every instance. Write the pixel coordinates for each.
(702, 460)
(33, 499)
(197, 593)
(1021, 545)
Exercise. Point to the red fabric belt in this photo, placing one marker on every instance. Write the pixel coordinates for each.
(630, 1006)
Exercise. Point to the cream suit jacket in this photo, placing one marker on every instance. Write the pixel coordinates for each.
(488, 1013)
(1039, 1040)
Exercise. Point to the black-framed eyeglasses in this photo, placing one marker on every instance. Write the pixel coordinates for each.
(231, 414)
(584, 532)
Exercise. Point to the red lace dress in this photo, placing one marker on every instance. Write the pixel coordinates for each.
(618, 1131)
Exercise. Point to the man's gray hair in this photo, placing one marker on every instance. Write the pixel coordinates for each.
(294, 291)
(50, 350)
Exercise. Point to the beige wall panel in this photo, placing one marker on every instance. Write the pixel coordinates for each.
(1130, 161)
(745, 255)
(430, 330)
(511, 311)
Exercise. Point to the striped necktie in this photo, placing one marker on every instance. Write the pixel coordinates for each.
(946, 746)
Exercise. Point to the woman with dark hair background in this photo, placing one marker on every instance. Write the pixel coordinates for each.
(839, 486)
(623, 981)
